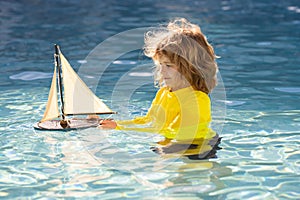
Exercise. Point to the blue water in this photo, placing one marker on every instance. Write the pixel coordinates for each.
(259, 46)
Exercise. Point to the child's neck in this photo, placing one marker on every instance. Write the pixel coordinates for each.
(173, 89)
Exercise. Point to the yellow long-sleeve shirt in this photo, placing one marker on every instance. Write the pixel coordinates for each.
(184, 114)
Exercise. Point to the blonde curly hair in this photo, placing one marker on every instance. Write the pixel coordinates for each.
(184, 44)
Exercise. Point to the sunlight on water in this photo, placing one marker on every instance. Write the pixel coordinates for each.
(69, 164)
(258, 43)
(28, 76)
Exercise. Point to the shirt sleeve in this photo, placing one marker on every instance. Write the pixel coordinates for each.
(190, 123)
(141, 119)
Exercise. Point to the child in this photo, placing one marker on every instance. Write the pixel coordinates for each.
(185, 73)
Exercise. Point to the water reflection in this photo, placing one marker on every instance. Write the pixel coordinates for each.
(259, 47)
(78, 167)
(172, 175)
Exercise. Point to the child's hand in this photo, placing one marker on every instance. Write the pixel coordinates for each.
(107, 124)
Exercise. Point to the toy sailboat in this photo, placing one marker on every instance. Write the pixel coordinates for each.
(75, 99)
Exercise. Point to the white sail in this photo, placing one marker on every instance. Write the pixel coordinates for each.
(52, 104)
(78, 98)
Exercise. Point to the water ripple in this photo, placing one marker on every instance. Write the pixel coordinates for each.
(288, 89)
(30, 75)
(259, 63)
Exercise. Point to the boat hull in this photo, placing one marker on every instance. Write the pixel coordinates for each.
(73, 124)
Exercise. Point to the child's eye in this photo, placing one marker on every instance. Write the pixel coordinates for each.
(167, 65)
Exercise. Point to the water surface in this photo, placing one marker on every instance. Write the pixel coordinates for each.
(258, 43)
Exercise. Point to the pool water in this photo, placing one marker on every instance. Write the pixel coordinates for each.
(259, 46)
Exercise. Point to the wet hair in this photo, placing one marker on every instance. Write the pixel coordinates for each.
(184, 44)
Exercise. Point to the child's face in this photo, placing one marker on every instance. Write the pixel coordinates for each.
(170, 74)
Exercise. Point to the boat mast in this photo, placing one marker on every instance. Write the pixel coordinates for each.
(58, 65)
